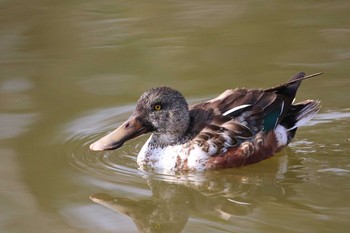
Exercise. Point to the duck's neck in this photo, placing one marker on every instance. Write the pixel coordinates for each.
(163, 140)
(174, 133)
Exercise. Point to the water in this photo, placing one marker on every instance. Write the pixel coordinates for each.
(70, 71)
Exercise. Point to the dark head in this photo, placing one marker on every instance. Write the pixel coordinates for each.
(161, 110)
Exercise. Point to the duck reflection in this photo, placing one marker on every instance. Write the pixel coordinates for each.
(166, 211)
(219, 196)
(170, 206)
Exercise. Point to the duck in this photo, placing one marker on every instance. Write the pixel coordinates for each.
(239, 127)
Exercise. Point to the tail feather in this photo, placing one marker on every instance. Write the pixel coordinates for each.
(287, 113)
(300, 113)
(292, 115)
(289, 90)
(297, 78)
(297, 116)
(293, 84)
(305, 111)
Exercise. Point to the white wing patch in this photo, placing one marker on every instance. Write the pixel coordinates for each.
(235, 109)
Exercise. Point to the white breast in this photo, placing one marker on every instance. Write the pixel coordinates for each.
(166, 159)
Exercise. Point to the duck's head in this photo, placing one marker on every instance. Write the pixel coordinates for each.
(162, 110)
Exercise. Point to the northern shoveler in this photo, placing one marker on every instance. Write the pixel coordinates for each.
(239, 127)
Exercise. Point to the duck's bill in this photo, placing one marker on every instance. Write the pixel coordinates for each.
(130, 129)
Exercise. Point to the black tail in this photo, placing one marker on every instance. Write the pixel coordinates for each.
(294, 115)
(298, 115)
(290, 88)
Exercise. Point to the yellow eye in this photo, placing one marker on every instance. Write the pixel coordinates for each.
(157, 107)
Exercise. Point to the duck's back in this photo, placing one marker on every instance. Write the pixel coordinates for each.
(244, 126)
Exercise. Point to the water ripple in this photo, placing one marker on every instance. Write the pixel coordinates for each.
(79, 133)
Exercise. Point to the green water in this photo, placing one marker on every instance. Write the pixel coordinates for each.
(71, 71)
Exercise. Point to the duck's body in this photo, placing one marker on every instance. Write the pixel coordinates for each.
(238, 127)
